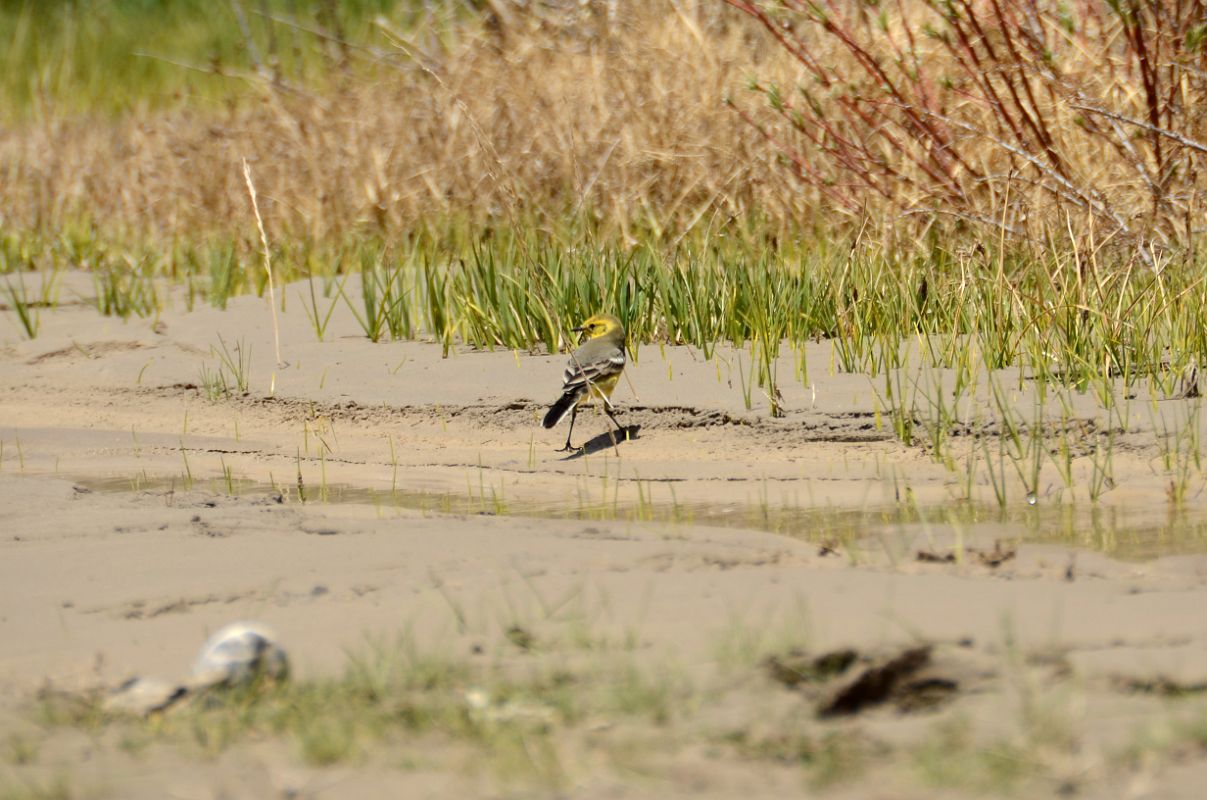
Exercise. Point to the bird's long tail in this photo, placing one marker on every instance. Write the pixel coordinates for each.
(557, 412)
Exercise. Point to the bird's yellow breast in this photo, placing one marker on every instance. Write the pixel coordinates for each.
(601, 388)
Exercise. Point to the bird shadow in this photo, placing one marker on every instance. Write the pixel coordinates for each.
(604, 441)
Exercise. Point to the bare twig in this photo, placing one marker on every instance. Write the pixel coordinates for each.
(1185, 141)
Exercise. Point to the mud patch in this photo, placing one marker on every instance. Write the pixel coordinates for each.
(846, 683)
(988, 558)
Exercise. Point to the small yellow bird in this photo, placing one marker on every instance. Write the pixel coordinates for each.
(593, 371)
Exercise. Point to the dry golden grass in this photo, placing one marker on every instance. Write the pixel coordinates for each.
(1027, 116)
(622, 119)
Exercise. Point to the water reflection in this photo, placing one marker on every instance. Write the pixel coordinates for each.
(1134, 534)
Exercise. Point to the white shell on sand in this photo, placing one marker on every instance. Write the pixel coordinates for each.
(237, 653)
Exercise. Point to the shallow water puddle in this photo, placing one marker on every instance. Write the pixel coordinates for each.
(926, 533)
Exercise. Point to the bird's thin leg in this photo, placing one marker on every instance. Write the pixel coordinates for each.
(619, 427)
(570, 448)
(612, 435)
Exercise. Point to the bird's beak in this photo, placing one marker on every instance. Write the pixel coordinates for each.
(578, 330)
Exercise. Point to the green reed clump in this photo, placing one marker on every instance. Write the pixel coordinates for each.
(27, 314)
(232, 373)
(1070, 318)
(1061, 314)
(26, 305)
(122, 292)
(226, 275)
(385, 310)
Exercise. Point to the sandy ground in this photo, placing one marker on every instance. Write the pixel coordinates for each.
(362, 489)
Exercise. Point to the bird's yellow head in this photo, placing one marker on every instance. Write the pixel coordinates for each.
(601, 325)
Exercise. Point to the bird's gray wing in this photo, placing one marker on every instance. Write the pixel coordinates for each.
(580, 372)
